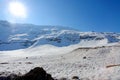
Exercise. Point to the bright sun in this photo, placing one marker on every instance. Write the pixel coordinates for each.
(17, 9)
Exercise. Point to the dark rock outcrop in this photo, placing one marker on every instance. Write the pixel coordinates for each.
(37, 73)
(75, 78)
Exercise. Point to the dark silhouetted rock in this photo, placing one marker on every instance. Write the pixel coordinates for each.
(12, 76)
(75, 78)
(37, 73)
(5, 78)
(84, 57)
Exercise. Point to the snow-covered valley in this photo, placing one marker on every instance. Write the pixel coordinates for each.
(85, 62)
(61, 51)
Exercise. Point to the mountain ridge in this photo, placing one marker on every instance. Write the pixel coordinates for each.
(19, 36)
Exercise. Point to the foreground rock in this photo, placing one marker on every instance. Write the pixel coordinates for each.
(37, 73)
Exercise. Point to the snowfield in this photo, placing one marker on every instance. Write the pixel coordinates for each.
(61, 51)
(94, 63)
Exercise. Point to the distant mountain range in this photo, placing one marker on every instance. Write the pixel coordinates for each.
(19, 36)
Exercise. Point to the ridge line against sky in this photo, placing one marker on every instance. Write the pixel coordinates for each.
(84, 15)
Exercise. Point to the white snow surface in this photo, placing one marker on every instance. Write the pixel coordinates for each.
(85, 62)
(61, 51)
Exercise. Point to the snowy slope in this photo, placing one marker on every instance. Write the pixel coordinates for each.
(63, 52)
(86, 62)
(19, 36)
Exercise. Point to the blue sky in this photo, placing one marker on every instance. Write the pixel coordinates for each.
(84, 15)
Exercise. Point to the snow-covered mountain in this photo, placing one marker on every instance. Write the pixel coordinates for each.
(18, 36)
(61, 51)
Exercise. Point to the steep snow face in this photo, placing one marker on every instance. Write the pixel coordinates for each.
(20, 36)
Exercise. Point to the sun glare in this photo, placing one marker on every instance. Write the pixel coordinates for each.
(17, 9)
